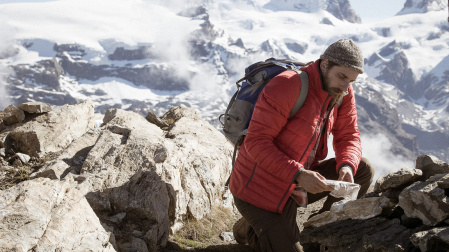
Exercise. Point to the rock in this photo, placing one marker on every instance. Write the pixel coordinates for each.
(53, 131)
(24, 158)
(436, 239)
(360, 209)
(227, 236)
(3, 138)
(11, 115)
(140, 211)
(152, 118)
(443, 183)
(48, 215)
(135, 244)
(397, 179)
(157, 178)
(431, 165)
(71, 159)
(375, 234)
(35, 107)
(426, 201)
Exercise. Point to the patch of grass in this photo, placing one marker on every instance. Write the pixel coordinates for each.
(202, 233)
(14, 176)
(18, 172)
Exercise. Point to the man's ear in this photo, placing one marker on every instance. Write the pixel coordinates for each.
(324, 64)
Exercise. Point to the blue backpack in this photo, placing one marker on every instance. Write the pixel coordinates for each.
(236, 119)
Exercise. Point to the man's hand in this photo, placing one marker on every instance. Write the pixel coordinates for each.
(345, 174)
(312, 182)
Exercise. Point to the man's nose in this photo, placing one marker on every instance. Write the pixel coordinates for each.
(345, 85)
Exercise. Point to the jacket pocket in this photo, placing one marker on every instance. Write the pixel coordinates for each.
(252, 175)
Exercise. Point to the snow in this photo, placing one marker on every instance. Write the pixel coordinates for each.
(100, 26)
(93, 23)
(104, 25)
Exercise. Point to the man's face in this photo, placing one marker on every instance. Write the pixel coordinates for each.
(337, 79)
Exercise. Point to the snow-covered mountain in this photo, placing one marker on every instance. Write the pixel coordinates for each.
(151, 55)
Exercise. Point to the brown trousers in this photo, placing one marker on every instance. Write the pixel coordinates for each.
(272, 232)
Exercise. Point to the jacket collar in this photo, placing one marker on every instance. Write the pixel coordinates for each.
(316, 79)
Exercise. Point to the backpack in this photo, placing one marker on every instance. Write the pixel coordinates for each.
(236, 119)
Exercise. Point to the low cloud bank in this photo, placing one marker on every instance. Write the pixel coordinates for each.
(377, 149)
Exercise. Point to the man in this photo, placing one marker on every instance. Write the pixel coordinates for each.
(280, 165)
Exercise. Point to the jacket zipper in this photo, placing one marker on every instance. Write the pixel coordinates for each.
(308, 145)
(252, 175)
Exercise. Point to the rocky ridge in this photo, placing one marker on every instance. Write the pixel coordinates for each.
(122, 182)
(116, 182)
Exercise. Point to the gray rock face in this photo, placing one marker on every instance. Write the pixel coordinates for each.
(150, 76)
(376, 116)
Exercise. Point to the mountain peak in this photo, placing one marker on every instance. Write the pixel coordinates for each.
(341, 9)
(423, 6)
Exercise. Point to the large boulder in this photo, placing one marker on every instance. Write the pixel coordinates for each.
(52, 131)
(35, 107)
(10, 115)
(426, 200)
(397, 179)
(50, 215)
(154, 176)
(431, 165)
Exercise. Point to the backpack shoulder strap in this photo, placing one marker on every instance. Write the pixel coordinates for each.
(302, 93)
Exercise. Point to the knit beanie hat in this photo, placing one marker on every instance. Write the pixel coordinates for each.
(345, 52)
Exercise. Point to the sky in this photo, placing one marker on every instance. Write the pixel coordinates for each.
(368, 10)
(374, 10)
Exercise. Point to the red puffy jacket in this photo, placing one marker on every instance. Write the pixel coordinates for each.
(276, 147)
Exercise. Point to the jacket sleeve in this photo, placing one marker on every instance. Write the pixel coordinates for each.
(346, 143)
(269, 117)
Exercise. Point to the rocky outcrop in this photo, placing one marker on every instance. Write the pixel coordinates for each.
(120, 184)
(398, 72)
(50, 215)
(342, 10)
(52, 131)
(423, 6)
(407, 211)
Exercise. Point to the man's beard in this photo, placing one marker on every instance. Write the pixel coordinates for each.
(336, 93)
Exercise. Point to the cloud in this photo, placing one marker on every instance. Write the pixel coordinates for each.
(5, 101)
(377, 149)
(6, 50)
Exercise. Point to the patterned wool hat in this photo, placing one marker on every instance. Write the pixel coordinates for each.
(345, 52)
